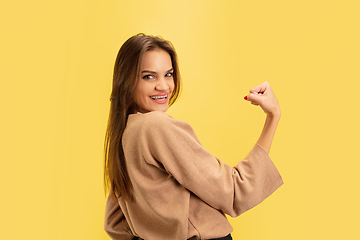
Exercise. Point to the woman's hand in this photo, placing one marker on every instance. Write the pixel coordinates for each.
(264, 96)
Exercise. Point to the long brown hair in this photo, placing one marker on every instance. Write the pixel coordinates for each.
(125, 79)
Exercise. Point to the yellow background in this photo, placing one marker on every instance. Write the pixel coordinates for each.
(56, 69)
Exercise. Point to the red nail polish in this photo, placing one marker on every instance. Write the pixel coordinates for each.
(245, 97)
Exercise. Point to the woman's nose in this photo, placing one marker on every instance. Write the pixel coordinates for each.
(161, 84)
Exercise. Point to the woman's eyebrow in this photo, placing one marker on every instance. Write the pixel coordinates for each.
(148, 71)
(153, 72)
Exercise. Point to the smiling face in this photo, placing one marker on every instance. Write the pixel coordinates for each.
(156, 82)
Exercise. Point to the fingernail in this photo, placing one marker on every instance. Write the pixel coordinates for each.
(245, 97)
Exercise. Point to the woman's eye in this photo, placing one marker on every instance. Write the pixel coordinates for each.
(169, 75)
(148, 77)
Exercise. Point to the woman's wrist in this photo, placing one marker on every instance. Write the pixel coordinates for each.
(274, 116)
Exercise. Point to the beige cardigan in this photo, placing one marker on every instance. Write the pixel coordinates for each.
(181, 190)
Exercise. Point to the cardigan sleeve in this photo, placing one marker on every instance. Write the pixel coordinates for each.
(115, 223)
(232, 190)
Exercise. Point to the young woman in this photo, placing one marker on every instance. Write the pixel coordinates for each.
(163, 184)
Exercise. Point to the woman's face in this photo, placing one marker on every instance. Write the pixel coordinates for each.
(156, 82)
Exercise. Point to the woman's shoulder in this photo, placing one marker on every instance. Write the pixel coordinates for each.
(151, 117)
(155, 120)
(154, 116)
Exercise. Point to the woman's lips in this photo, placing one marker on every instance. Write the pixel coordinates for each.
(160, 99)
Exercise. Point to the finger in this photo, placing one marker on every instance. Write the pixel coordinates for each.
(255, 98)
(261, 88)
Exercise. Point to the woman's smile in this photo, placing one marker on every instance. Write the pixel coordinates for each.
(160, 98)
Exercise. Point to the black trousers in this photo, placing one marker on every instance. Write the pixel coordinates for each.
(228, 237)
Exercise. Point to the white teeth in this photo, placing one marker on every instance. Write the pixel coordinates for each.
(157, 97)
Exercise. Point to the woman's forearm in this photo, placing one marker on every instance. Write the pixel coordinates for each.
(268, 131)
